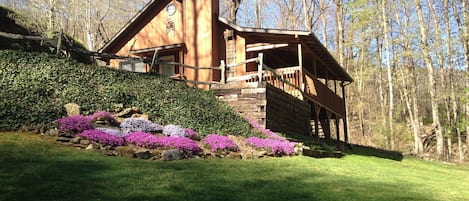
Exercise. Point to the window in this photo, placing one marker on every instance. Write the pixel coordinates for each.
(167, 70)
(133, 66)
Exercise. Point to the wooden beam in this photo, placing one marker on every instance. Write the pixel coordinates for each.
(260, 66)
(263, 46)
(317, 57)
(19, 36)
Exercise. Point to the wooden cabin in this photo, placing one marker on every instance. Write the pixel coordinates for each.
(286, 80)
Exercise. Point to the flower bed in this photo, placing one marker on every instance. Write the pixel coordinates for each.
(219, 143)
(267, 132)
(141, 133)
(277, 147)
(104, 116)
(139, 125)
(102, 137)
(75, 124)
(150, 141)
(191, 134)
(174, 131)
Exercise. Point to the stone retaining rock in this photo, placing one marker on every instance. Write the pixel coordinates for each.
(143, 154)
(125, 151)
(322, 153)
(173, 154)
(72, 109)
(63, 139)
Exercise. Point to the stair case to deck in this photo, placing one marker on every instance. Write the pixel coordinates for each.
(245, 98)
(320, 130)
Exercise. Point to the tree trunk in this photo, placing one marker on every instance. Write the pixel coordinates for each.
(464, 36)
(431, 82)
(387, 49)
(449, 63)
(258, 8)
(408, 79)
(324, 23)
(340, 31)
(234, 6)
(443, 84)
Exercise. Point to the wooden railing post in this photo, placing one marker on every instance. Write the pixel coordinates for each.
(260, 65)
(223, 70)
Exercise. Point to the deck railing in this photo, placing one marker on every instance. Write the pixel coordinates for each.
(297, 82)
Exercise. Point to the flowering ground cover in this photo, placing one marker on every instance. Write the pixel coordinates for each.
(219, 143)
(101, 137)
(276, 146)
(75, 124)
(33, 167)
(151, 141)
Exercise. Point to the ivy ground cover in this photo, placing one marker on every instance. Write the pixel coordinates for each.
(35, 168)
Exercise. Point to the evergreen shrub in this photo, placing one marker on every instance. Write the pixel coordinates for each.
(34, 87)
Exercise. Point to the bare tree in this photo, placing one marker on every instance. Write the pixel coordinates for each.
(431, 82)
(233, 7)
(387, 47)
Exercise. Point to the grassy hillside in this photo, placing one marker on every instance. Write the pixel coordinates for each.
(34, 87)
(34, 168)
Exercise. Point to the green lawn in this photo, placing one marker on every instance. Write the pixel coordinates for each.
(35, 168)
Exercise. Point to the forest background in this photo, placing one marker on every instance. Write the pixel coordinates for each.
(409, 59)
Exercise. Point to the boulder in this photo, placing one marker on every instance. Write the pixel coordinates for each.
(81, 146)
(118, 107)
(85, 142)
(63, 139)
(125, 151)
(75, 140)
(234, 155)
(141, 116)
(128, 112)
(65, 134)
(322, 153)
(143, 154)
(173, 154)
(157, 154)
(53, 132)
(72, 109)
(90, 147)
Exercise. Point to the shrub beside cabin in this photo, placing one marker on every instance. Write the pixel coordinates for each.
(286, 80)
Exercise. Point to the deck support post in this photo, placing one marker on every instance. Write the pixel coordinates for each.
(344, 118)
(260, 66)
(153, 60)
(300, 64)
(337, 131)
(223, 71)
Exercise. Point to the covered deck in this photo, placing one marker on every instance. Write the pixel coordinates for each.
(296, 63)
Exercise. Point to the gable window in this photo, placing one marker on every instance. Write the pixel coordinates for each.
(133, 66)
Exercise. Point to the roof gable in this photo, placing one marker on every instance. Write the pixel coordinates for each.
(134, 25)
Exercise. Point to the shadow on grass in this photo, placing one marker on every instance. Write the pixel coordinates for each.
(43, 176)
(375, 152)
(351, 148)
(47, 173)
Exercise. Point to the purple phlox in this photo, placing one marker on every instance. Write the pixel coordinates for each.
(218, 142)
(75, 123)
(276, 146)
(102, 137)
